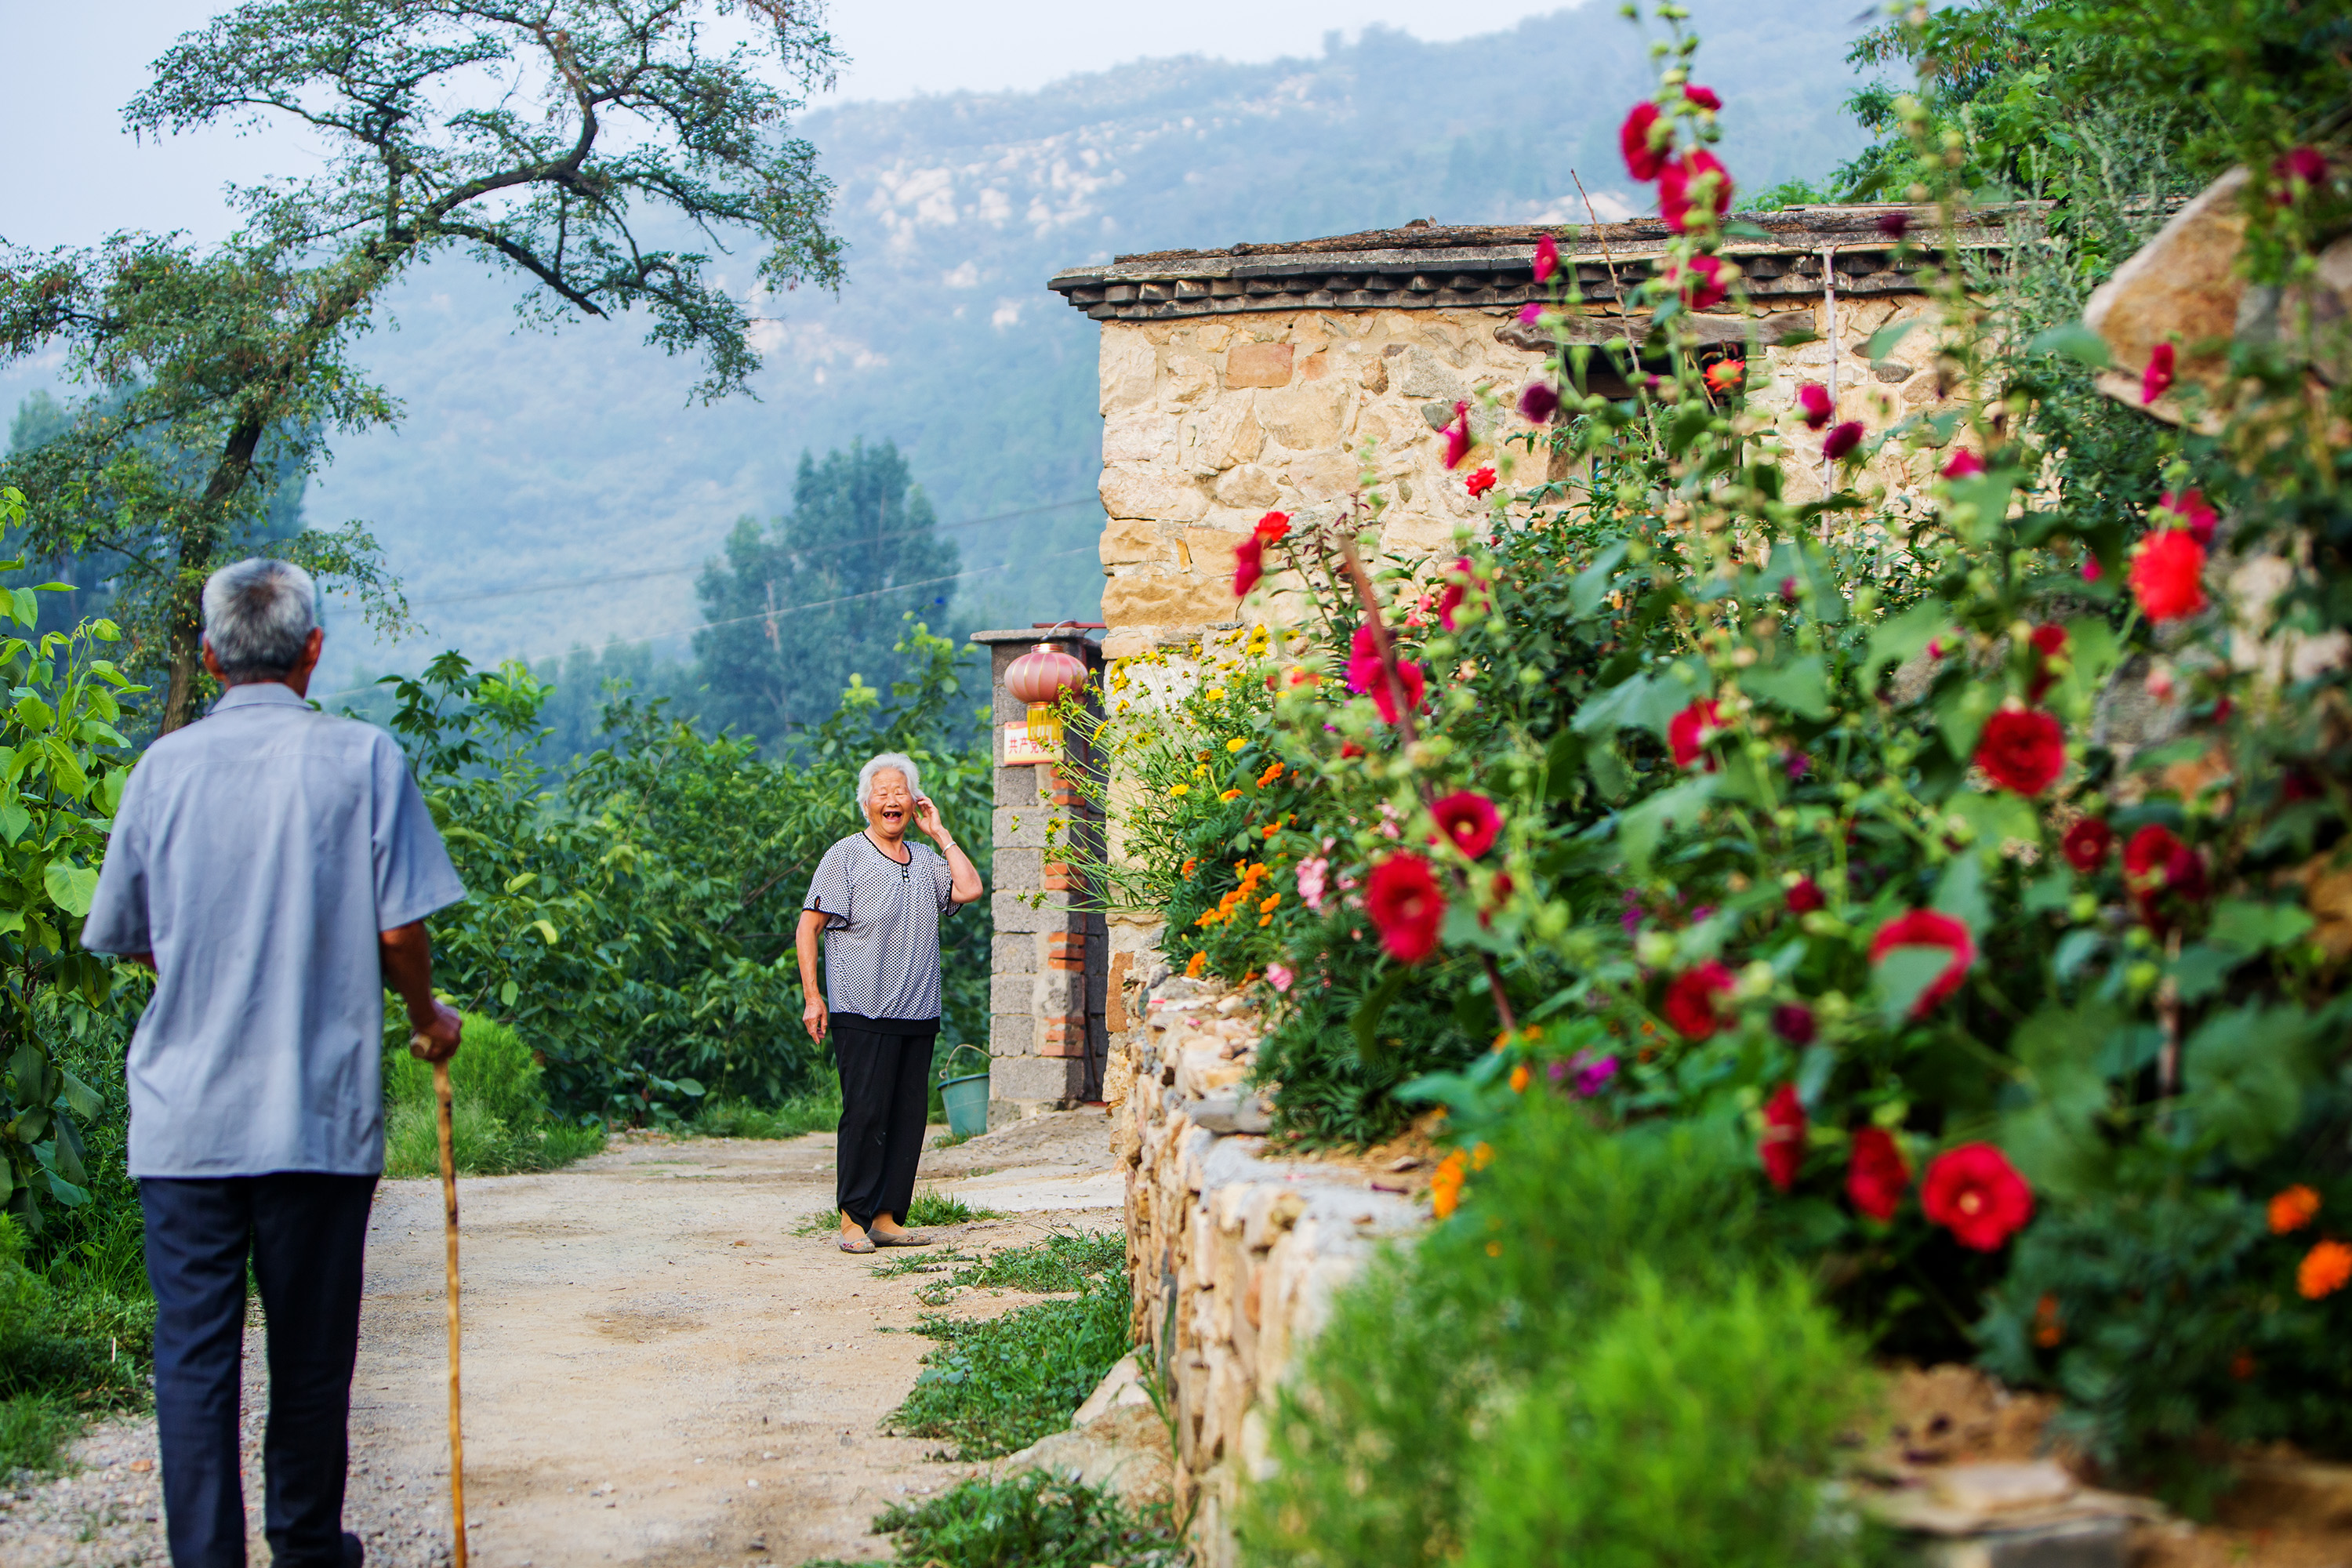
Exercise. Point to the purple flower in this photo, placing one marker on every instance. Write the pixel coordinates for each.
(1894, 226)
(1794, 1022)
(1538, 402)
(1630, 916)
(1798, 765)
(1531, 312)
(1585, 1074)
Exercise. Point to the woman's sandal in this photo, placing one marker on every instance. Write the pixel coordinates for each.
(901, 1238)
(856, 1243)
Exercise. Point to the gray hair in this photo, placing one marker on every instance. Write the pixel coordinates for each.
(258, 613)
(888, 761)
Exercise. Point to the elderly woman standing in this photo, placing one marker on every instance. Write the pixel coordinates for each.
(877, 899)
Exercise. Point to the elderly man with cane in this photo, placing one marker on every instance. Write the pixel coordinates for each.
(274, 866)
(877, 899)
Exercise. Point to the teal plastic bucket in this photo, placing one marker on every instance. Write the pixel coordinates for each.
(966, 1098)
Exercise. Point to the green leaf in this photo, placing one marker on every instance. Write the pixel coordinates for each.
(2245, 1072)
(80, 1099)
(1995, 818)
(70, 887)
(1903, 636)
(546, 930)
(508, 993)
(2076, 341)
(1882, 341)
(1961, 710)
(689, 1087)
(1740, 228)
(1801, 685)
(29, 1065)
(1961, 893)
(14, 820)
(1902, 974)
(1643, 702)
(1590, 586)
(2200, 971)
(67, 1193)
(1639, 827)
(27, 604)
(517, 883)
(2248, 928)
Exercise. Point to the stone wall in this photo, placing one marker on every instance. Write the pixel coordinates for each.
(1233, 1253)
(1208, 422)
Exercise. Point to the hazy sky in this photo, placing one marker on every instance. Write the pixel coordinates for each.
(69, 175)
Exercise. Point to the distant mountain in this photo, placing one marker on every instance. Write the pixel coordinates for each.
(529, 458)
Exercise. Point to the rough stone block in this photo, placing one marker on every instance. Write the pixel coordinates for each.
(1258, 364)
(1306, 419)
(1128, 542)
(1012, 1033)
(1017, 827)
(1246, 486)
(1017, 787)
(1036, 1078)
(1138, 436)
(1015, 993)
(1013, 954)
(1135, 597)
(1019, 871)
(1150, 493)
(1128, 366)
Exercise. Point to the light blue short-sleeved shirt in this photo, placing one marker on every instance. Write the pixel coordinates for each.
(258, 854)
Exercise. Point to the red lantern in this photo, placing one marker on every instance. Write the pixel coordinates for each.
(1039, 678)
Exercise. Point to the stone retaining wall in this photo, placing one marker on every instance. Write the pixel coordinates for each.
(1233, 1252)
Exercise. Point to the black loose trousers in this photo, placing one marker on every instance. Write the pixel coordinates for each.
(885, 1072)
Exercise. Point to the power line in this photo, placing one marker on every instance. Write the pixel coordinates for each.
(761, 615)
(550, 585)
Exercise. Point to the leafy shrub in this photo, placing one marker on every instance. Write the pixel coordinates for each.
(500, 1123)
(999, 1384)
(1026, 1521)
(62, 1355)
(1583, 1274)
(818, 1110)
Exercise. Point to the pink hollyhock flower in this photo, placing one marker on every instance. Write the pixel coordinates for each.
(1546, 258)
(1538, 403)
(2299, 171)
(1643, 159)
(1459, 578)
(1531, 312)
(2158, 378)
(2167, 575)
(1469, 819)
(1279, 976)
(1688, 731)
(1586, 1075)
(1406, 906)
(2194, 512)
(1965, 464)
(1689, 1003)
(1927, 928)
(1249, 565)
(1813, 398)
(1877, 1177)
(2092, 570)
(1409, 675)
(1702, 284)
(1482, 481)
(1841, 440)
(1703, 96)
(1695, 180)
(1782, 1147)
(1894, 226)
(1363, 661)
(1977, 1194)
(1458, 436)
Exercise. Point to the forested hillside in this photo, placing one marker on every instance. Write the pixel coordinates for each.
(528, 459)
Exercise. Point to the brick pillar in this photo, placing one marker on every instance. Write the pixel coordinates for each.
(1048, 967)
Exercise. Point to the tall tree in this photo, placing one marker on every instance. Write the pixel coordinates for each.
(559, 140)
(821, 594)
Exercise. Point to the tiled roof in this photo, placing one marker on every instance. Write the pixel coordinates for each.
(1425, 266)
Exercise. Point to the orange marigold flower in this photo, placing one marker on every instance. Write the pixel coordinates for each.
(2049, 1327)
(1481, 1157)
(2325, 1270)
(1267, 905)
(1190, 862)
(1192, 970)
(1229, 794)
(1273, 772)
(1446, 1186)
(1519, 1077)
(1494, 1249)
(2293, 1209)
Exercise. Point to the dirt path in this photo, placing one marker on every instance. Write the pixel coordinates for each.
(657, 1370)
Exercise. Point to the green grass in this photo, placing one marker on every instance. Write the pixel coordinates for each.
(1028, 1520)
(907, 1263)
(818, 1110)
(994, 1386)
(73, 1341)
(500, 1123)
(1057, 1265)
(932, 1206)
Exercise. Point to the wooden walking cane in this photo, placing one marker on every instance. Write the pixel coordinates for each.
(450, 1238)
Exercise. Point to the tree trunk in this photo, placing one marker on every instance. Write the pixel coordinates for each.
(186, 645)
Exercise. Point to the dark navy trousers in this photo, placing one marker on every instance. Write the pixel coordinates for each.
(306, 1234)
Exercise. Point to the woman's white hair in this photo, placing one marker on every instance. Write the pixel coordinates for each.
(897, 762)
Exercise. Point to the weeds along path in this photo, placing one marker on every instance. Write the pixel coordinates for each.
(658, 1370)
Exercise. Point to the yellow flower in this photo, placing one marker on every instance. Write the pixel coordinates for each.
(1481, 1157)
(1216, 694)
(1231, 794)
(1180, 791)
(1235, 744)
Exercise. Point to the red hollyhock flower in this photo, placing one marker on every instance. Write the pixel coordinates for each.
(1642, 160)
(1458, 436)
(2158, 378)
(1363, 661)
(1459, 579)
(1350, 749)
(2023, 750)
(1877, 1177)
(1927, 928)
(1538, 403)
(2190, 510)
(2166, 576)
(2087, 844)
(1725, 376)
(2163, 873)
(1274, 525)
(1469, 819)
(1702, 284)
(1814, 399)
(1806, 896)
(1688, 731)
(1964, 464)
(1409, 675)
(1690, 179)
(2049, 642)
(1794, 1022)
(1546, 258)
(1841, 440)
(1689, 1003)
(1704, 97)
(1782, 1147)
(1406, 906)
(1479, 483)
(1249, 565)
(2299, 170)
(1894, 226)
(1974, 1192)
